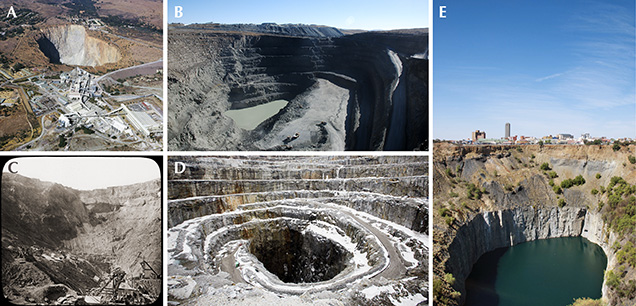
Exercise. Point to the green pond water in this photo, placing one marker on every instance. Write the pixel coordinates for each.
(250, 117)
(547, 272)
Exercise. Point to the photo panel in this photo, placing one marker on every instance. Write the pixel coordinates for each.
(534, 175)
(81, 75)
(284, 75)
(82, 230)
(307, 230)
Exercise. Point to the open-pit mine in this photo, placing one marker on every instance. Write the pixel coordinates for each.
(81, 76)
(62, 246)
(298, 230)
(507, 199)
(361, 91)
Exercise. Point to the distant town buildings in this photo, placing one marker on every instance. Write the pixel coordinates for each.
(507, 130)
(478, 135)
(479, 138)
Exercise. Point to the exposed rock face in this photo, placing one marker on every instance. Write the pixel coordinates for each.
(384, 73)
(496, 229)
(299, 30)
(298, 258)
(320, 227)
(131, 231)
(71, 45)
(518, 204)
(40, 213)
(373, 185)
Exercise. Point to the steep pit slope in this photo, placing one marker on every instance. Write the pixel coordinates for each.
(367, 91)
(60, 242)
(72, 45)
(299, 230)
(130, 231)
(40, 213)
(487, 197)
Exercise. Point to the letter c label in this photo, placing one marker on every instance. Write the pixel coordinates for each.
(11, 168)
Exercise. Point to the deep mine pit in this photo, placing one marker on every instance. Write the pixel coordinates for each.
(513, 203)
(49, 50)
(73, 45)
(61, 245)
(299, 258)
(364, 91)
(322, 228)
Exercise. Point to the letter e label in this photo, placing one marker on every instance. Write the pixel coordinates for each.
(442, 11)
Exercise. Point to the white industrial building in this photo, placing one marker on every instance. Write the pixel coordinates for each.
(142, 121)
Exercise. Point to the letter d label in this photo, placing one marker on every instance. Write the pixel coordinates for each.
(179, 167)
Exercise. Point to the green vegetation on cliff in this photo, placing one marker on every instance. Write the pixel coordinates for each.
(600, 180)
(587, 302)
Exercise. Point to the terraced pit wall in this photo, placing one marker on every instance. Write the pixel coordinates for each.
(204, 190)
(225, 70)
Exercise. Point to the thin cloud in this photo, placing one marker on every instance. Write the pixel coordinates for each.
(552, 76)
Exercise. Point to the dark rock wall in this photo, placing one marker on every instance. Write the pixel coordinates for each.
(491, 230)
(298, 258)
(40, 213)
(519, 204)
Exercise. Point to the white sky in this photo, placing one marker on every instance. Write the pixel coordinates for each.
(87, 173)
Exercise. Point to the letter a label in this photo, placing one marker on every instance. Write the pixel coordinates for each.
(12, 12)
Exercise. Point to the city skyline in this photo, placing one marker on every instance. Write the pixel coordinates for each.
(572, 71)
(367, 15)
(509, 134)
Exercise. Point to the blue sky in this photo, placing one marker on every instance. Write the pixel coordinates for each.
(346, 14)
(545, 66)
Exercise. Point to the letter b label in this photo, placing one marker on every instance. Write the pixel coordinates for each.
(178, 11)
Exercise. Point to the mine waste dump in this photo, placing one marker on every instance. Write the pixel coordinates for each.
(72, 45)
(541, 272)
(344, 91)
(547, 224)
(296, 229)
(62, 246)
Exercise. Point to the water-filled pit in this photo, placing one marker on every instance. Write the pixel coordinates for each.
(542, 272)
(250, 117)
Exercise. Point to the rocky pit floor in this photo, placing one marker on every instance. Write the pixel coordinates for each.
(332, 204)
(323, 102)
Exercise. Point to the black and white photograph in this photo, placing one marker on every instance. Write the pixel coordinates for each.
(81, 230)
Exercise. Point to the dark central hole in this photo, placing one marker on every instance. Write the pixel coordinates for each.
(298, 258)
(49, 49)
